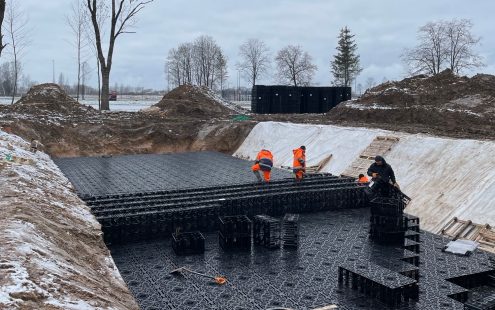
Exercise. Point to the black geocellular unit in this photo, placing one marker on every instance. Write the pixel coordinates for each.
(279, 99)
(235, 232)
(290, 230)
(188, 243)
(266, 231)
(387, 222)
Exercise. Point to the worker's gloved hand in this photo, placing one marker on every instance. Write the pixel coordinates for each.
(374, 174)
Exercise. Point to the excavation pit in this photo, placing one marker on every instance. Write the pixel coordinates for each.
(140, 200)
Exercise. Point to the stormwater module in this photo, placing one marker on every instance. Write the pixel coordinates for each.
(286, 244)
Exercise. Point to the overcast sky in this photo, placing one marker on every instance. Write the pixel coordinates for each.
(383, 28)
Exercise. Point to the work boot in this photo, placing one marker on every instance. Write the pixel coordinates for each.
(258, 176)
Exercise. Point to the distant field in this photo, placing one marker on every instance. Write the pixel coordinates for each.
(127, 103)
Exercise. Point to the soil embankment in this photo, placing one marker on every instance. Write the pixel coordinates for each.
(192, 118)
(67, 128)
(443, 105)
(52, 254)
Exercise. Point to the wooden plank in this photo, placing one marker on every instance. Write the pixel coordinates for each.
(379, 146)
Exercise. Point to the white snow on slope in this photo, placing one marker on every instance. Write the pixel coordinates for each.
(51, 252)
(445, 177)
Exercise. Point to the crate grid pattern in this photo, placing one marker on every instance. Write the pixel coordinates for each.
(301, 278)
(127, 174)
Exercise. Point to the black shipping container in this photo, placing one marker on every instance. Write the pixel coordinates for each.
(289, 99)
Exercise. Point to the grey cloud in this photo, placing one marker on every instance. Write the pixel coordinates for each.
(383, 29)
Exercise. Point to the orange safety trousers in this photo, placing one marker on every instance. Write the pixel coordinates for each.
(266, 174)
(298, 167)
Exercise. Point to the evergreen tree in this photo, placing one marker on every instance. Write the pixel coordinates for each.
(345, 65)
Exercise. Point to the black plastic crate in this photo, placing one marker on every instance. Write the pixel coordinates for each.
(266, 231)
(239, 241)
(387, 237)
(235, 225)
(290, 230)
(188, 243)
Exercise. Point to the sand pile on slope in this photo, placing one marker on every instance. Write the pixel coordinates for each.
(195, 102)
(49, 97)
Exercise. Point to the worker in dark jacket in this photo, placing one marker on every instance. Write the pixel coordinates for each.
(382, 176)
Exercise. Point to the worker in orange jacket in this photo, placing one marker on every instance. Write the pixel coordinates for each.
(264, 162)
(363, 179)
(299, 163)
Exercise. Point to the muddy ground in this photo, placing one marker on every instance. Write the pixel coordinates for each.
(68, 129)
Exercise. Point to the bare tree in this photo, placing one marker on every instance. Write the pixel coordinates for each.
(295, 66)
(205, 56)
(76, 21)
(6, 78)
(443, 44)
(185, 54)
(429, 54)
(359, 89)
(180, 64)
(16, 27)
(460, 43)
(201, 63)
(85, 72)
(370, 83)
(221, 70)
(122, 16)
(255, 60)
(2, 15)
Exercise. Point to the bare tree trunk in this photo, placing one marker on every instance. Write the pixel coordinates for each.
(78, 67)
(105, 88)
(2, 15)
(99, 84)
(83, 87)
(16, 73)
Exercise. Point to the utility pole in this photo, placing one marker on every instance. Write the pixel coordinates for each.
(53, 70)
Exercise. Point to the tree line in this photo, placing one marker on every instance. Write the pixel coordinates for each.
(203, 63)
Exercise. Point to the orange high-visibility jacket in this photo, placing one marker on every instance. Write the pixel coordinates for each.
(264, 154)
(299, 158)
(363, 180)
(265, 160)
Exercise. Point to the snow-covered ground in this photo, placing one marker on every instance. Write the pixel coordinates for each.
(445, 177)
(8, 100)
(52, 255)
(136, 103)
(127, 104)
(123, 105)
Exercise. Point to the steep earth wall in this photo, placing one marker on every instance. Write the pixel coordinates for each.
(52, 255)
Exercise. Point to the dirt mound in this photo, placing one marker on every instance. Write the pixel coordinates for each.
(444, 104)
(444, 90)
(49, 97)
(195, 102)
